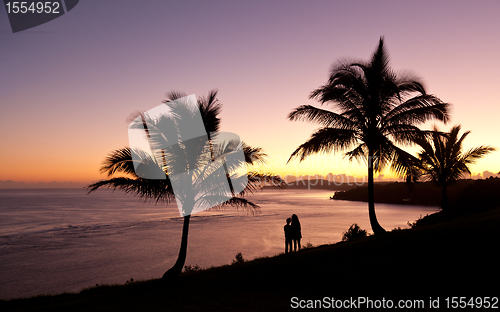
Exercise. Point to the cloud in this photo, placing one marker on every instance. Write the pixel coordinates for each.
(487, 174)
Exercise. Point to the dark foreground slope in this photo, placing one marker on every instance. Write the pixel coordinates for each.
(458, 258)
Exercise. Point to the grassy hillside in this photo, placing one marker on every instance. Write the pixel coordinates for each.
(457, 258)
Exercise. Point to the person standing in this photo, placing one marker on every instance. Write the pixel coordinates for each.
(296, 232)
(288, 235)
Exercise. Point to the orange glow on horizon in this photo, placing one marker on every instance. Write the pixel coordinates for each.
(86, 170)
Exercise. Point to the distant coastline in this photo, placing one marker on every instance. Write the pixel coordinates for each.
(466, 194)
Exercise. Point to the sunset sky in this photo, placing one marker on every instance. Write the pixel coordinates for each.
(68, 86)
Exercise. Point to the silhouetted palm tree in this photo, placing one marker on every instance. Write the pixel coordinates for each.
(375, 110)
(201, 179)
(442, 160)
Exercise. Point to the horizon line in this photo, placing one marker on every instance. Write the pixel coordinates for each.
(12, 184)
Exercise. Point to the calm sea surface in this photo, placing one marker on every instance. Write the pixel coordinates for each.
(63, 240)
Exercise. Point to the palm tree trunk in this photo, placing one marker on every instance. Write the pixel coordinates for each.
(376, 228)
(176, 269)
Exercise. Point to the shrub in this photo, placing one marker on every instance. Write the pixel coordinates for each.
(238, 258)
(308, 245)
(353, 232)
(192, 268)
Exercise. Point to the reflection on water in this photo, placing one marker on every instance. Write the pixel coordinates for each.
(64, 240)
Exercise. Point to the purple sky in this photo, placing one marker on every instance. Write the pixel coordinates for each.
(67, 86)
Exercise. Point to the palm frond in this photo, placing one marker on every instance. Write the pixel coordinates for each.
(325, 140)
(321, 116)
(239, 202)
(419, 109)
(472, 155)
(174, 95)
(210, 108)
(359, 153)
(118, 161)
(380, 59)
(258, 179)
(156, 190)
(408, 84)
(405, 165)
(254, 154)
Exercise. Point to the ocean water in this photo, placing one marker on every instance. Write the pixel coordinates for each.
(63, 240)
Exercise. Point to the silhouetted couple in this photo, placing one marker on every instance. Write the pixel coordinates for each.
(292, 233)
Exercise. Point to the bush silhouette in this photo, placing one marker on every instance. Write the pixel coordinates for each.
(192, 268)
(353, 232)
(238, 258)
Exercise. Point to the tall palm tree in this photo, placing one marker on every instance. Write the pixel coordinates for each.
(203, 175)
(442, 160)
(374, 109)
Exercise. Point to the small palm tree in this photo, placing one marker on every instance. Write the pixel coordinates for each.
(442, 160)
(202, 176)
(375, 110)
